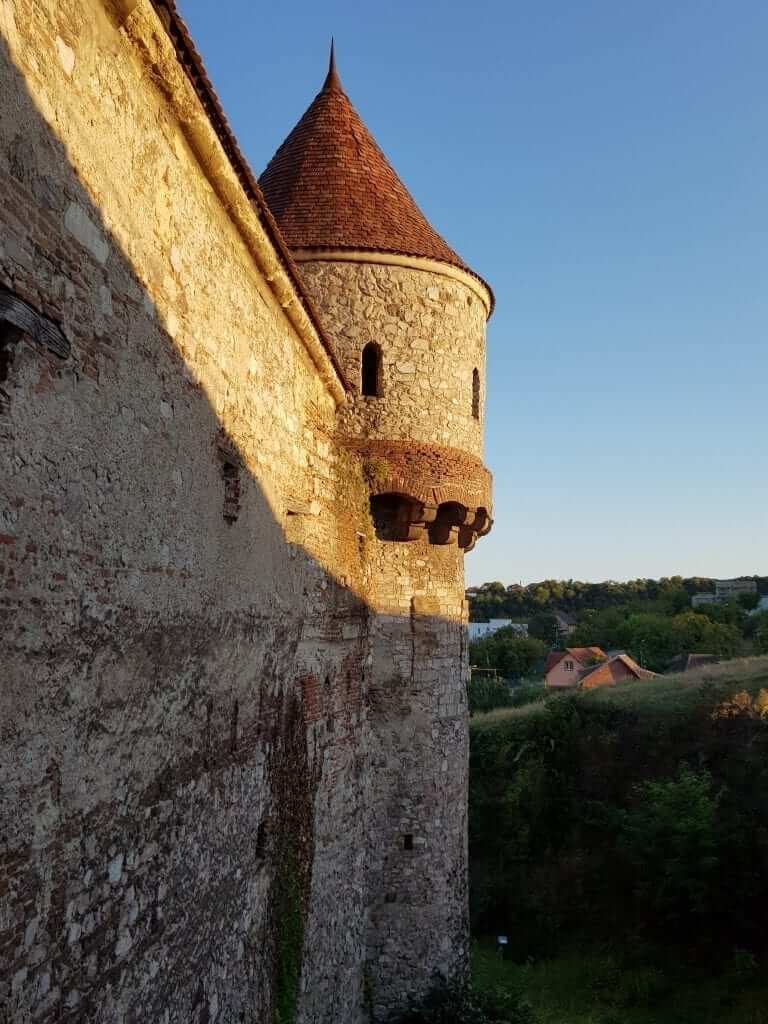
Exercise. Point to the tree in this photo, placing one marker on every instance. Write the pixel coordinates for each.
(749, 601)
(730, 613)
(695, 632)
(509, 653)
(669, 836)
(544, 627)
(756, 629)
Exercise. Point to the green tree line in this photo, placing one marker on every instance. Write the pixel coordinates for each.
(495, 600)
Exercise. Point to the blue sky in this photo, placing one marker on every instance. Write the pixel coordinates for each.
(605, 166)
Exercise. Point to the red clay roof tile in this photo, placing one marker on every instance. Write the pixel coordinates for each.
(329, 186)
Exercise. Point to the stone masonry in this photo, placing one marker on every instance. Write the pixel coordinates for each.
(233, 701)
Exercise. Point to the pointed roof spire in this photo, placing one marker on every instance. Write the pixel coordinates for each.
(329, 186)
(332, 80)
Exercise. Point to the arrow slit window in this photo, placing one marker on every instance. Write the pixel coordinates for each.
(370, 371)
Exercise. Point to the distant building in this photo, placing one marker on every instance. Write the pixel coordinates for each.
(615, 670)
(728, 590)
(586, 668)
(566, 624)
(725, 590)
(565, 668)
(477, 630)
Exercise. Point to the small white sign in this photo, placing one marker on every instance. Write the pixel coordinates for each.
(503, 940)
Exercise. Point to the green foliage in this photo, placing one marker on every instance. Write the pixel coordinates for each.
(668, 596)
(489, 694)
(509, 653)
(543, 626)
(654, 639)
(669, 835)
(290, 938)
(486, 694)
(528, 693)
(593, 984)
(501, 1004)
(638, 813)
(757, 629)
(730, 613)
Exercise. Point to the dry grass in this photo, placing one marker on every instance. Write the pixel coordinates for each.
(664, 694)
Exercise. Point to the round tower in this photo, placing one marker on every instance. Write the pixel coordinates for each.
(408, 319)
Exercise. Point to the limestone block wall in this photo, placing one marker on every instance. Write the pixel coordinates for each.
(431, 330)
(182, 706)
(417, 785)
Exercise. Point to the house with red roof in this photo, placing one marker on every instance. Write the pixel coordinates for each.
(586, 668)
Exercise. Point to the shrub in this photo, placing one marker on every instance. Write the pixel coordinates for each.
(509, 653)
(669, 839)
(453, 1004)
(487, 694)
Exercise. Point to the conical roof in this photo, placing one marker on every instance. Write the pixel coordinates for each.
(329, 186)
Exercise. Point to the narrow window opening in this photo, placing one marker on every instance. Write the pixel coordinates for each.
(9, 336)
(230, 473)
(407, 841)
(328, 704)
(476, 394)
(262, 834)
(371, 371)
(233, 727)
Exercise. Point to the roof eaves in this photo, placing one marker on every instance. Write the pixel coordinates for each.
(192, 63)
(458, 265)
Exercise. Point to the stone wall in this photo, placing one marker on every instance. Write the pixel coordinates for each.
(431, 330)
(179, 569)
(418, 438)
(417, 864)
(225, 702)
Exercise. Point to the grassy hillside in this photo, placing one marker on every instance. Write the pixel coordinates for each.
(620, 838)
(667, 695)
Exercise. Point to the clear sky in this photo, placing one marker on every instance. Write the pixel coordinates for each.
(604, 164)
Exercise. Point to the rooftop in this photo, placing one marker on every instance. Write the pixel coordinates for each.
(330, 186)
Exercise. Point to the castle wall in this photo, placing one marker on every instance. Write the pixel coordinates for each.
(417, 792)
(225, 703)
(431, 332)
(431, 329)
(182, 705)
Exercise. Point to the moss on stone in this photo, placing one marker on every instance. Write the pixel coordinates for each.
(290, 937)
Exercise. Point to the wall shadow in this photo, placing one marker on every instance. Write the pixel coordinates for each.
(186, 694)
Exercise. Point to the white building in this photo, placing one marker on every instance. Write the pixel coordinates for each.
(725, 590)
(477, 630)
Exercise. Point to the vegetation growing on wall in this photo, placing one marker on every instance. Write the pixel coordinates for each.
(291, 847)
(290, 935)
